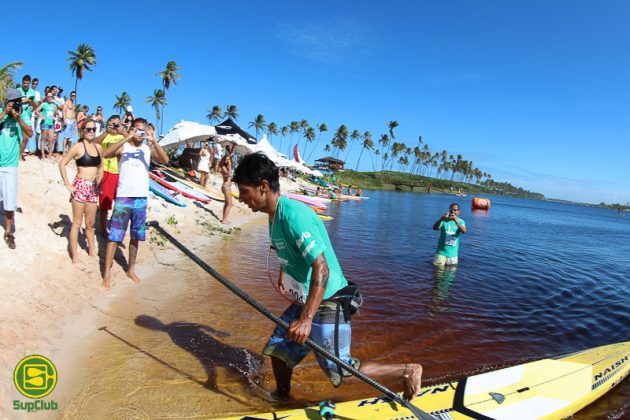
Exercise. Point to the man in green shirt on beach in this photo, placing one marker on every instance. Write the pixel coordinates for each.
(310, 275)
(450, 227)
(13, 131)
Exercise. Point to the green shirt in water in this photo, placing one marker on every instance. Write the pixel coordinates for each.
(448, 244)
(299, 237)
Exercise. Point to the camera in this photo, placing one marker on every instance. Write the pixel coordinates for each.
(17, 106)
(115, 125)
(141, 133)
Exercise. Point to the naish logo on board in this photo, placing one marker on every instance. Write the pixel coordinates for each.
(611, 368)
(35, 377)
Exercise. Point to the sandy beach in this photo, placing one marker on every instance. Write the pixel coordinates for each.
(47, 303)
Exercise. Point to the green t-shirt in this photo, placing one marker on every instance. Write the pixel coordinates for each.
(299, 237)
(27, 110)
(10, 139)
(48, 111)
(448, 244)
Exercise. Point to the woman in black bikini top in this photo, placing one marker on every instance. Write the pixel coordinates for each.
(84, 188)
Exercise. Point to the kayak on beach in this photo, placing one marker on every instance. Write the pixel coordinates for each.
(552, 388)
(178, 186)
(168, 195)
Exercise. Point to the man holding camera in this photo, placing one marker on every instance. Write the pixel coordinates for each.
(134, 158)
(13, 132)
(450, 226)
(28, 106)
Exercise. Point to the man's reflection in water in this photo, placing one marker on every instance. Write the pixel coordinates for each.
(443, 278)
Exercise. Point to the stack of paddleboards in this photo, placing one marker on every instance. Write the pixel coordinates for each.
(318, 204)
(169, 195)
(216, 196)
(554, 388)
(170, 182)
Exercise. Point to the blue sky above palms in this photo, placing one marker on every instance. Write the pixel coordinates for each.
(533, 92)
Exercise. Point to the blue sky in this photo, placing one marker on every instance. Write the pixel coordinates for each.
(534, 92)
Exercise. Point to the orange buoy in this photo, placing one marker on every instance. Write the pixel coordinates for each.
(479, 203)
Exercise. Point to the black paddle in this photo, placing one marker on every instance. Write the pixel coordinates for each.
(310, 343)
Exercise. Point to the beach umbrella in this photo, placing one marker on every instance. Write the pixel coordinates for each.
(187, 132)
(239, 144)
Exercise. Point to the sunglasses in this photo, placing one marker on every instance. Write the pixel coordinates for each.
(90, 129)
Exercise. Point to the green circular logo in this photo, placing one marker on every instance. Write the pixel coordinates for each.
(35, 376)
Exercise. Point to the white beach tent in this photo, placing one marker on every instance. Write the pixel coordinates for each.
(187, 132)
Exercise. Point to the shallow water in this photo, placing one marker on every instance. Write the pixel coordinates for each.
(535, 279)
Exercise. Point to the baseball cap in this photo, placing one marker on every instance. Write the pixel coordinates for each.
(13, 94)
(129, 108)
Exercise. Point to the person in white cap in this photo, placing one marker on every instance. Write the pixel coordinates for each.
(13, 130)
(128, 118)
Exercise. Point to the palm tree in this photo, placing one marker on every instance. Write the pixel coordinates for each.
(294, 127)
(169, 75)
(122, 102)
(340, 139)
(81, 60)
(391, 125)
(6, 77)
(232, 112)
(259, 124)
(322, 129)
(367, 144)
(309, 135)
(215, 114)
(384, 142)
(303, 126)
(283, 133)
(272, 129)
(355, 135)
(157, 100)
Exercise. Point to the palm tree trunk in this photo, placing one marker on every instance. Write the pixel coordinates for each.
(359, 160)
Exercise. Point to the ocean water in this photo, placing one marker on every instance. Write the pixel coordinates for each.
(535, 279)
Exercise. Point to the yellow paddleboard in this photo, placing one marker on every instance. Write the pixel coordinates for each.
(544, 389)
(324, 217)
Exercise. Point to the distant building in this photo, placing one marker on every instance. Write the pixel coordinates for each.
(330, 163)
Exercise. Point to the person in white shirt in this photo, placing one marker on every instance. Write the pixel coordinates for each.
(134, 158)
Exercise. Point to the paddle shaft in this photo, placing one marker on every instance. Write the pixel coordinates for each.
(310, 343)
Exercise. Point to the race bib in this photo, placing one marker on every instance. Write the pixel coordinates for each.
(450, 241)
(294, 290)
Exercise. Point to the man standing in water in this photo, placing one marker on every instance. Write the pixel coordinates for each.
(450, 227)
(303, 247)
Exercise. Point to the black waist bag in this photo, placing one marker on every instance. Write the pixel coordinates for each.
(349, 298)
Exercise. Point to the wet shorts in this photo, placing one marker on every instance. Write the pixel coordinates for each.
(127, 209)
(444, 260)
(46, 126)
(323, 333)
(108, 190)
(8, 187)
(85, 192)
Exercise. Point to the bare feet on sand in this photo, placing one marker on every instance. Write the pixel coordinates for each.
(133, 276)
(107, 281)
(226, 222)
(411, 380)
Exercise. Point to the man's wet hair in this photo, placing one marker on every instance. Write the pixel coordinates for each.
(26, 77)
(256, 168)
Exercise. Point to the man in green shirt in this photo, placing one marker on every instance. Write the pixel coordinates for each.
(13, 131)
(450, 226)
(28, 106)
(310, 276)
